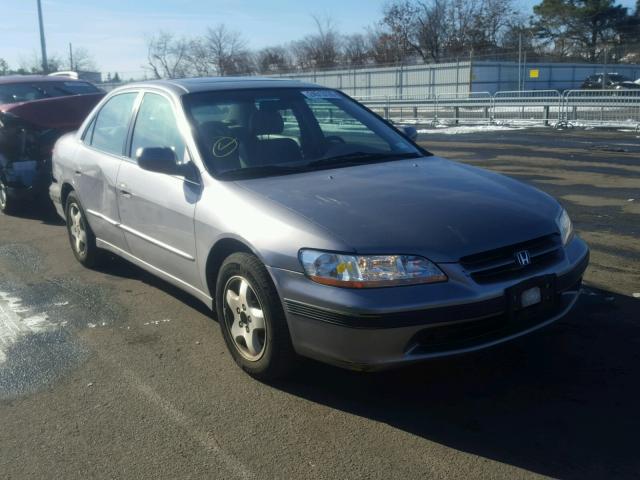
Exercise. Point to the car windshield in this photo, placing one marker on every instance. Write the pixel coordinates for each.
(277, 131)
(28, 91)
(616, 78)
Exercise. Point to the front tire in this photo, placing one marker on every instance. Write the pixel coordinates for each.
(252, 320)
(81, 237)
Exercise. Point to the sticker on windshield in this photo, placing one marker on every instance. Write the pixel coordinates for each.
(224, 146)
(321, 94)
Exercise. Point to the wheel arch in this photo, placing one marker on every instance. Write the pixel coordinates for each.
(65, 190)
(217, 254)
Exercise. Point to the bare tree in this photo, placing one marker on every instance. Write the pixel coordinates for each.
(383, 46)
(319, 50)
(273, 59)
(82, 61)
(167, 55)
(227, 51)
(4, 67)
(355, 50)
(398, 21)
(431, 35)
(33, 64)
(198, 58)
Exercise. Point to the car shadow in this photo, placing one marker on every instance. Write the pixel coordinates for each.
(119, 267)
(40, 210)
(562, 402)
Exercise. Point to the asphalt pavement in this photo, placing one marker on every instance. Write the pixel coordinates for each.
(115, 374)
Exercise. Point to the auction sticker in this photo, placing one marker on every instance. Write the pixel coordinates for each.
(225, 146)
(321, 94)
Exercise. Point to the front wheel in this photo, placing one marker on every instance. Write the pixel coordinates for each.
(252, 319)
(81, 237)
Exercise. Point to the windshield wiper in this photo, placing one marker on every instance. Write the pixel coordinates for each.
(261, 171)
(357, 158)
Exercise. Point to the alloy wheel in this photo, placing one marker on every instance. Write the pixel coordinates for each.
(3, 195)
(77, 229)
(244, 318)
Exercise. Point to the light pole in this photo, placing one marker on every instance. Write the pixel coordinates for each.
(43, 45)
(519, 60)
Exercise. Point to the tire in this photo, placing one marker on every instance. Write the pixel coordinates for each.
(81, 237)
(261, 345)
(7, 203)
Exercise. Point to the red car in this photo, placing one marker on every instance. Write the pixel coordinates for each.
(34, 112)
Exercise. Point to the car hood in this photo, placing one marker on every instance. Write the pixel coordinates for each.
(430, 206)
(67, 112)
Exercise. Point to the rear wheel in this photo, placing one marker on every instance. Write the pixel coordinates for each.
(252, 319)
(7, 204)
(81, 237)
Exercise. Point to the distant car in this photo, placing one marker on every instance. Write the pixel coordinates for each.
(66, 73)
(614, 81)
(34, 112)
(312, 225)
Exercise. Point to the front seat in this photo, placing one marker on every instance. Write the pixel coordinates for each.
(265, 150)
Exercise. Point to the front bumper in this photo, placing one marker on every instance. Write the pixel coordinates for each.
(371, 329)
(26, 184)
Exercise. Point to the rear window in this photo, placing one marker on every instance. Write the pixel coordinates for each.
(26, 92)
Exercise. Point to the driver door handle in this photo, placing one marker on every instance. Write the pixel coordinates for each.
(122, 188)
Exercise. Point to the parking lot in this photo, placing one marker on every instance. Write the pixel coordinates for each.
(118, 374)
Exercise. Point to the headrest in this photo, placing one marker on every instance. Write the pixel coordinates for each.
(213, 129)
(266, 122)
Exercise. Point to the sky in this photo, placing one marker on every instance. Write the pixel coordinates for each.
(115, 31)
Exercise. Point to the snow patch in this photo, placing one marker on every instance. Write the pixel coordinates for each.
(16, 323)
(460, 129)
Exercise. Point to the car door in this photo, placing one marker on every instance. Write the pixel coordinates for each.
(97, 162)
(157, 209)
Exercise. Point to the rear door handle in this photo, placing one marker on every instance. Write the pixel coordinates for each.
(77, 173)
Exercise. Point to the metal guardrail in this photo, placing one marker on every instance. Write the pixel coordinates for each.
(531, 107)
(611, 108)
(615, 108)
(619, 108)
(468, 108)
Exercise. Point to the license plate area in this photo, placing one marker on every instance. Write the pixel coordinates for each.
(531, 296)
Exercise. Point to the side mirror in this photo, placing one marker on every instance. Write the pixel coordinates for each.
(410, 132)
(159, 160)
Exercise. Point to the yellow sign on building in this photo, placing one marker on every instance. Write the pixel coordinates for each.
(534, 73)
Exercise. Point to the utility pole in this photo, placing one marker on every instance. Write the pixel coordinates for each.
(524, 69)
(43, 45)
(604, 73)
(519, 61)
(71, 57)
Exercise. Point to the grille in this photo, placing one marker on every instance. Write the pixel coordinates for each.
(500, 264)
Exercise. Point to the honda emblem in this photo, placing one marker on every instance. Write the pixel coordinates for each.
(523, 258)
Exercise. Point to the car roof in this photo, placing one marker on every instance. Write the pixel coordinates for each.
(193, 85)
(36, 78)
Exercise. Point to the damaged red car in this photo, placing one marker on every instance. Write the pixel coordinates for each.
(34, 112)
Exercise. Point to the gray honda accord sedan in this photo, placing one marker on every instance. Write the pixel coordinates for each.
(312, 226)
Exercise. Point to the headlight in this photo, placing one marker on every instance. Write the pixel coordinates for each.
(368, 271)
(565, 226)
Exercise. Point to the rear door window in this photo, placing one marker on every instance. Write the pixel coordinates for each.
(112, 124)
